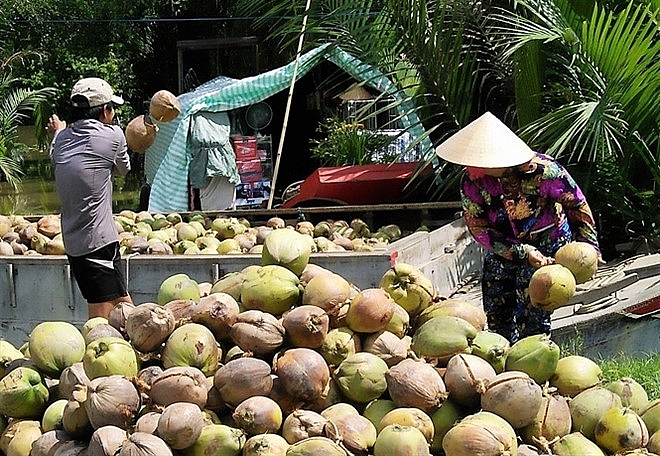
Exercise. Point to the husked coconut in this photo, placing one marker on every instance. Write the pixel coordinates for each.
(140, 133)
(164, 106)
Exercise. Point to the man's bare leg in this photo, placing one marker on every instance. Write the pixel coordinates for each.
(102, 309)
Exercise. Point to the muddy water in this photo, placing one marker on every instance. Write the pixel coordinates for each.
(37, 197)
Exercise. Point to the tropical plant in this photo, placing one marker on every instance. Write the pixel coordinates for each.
(348, 143)
(17, 103)
(575, 78)
(588, 93)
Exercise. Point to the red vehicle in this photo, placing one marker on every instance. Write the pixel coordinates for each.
(353, 185)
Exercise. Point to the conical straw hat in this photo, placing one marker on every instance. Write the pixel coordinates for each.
(485, 143)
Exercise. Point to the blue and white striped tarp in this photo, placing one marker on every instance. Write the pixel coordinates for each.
(167, 160)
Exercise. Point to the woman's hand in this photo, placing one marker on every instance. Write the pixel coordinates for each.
(55, 124)
(537, 259)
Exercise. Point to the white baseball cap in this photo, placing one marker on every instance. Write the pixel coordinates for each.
(92, 92)
(485, 143)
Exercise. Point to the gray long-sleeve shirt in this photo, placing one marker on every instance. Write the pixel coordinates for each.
(85, 155)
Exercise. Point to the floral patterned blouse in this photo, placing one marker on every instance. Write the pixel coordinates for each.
(536, 204)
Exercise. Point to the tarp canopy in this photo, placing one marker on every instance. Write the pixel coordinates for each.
(167, 161)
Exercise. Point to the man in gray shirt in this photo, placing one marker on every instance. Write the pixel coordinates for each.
(86, 154)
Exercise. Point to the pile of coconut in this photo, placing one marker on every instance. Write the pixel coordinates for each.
(170, 234)
(289, 358)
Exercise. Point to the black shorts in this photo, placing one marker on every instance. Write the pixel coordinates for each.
(99, 275)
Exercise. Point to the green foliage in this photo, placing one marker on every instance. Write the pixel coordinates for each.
(16, 105)
(645, 370)
(346, 143)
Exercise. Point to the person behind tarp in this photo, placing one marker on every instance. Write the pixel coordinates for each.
(520, 206)
(213, 167)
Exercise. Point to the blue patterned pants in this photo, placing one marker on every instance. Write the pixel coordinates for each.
(506, 301)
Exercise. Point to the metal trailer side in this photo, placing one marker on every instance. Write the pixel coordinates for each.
(37, 288)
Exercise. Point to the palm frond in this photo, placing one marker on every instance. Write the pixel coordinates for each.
(9, 167)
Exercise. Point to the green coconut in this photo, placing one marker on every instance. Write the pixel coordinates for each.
(536, 355)
(22, 436)
(409, 416)
(338, 344)
(492, 347)
(375, 410)
(473, 314)
(52, 417)
(177, 286)
(632, 393)
(651, 416)
(621, 429)
(272, 288)
(110, 356)
(193, 345)
(551, 287)
(218, 440)
(443, 420)
(230, 283)
(575, 444)
(316, 445)
(23, 394)
(580, 258)
(408, 287)
(397, 440)
(588, 406)
(288, 248)
(442, 337)
(575, 373)
(361, 377)
(8, 353)
(52, 358)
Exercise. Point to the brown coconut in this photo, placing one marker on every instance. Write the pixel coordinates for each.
(301, 424)
(257, 332)
(180, 384)
(306, 326)
(327, 290)
(148, 326)
(241, 378)
(180, 425)
(303, 372)
(164, 106)
(414, 383)
(466, 377)
(514, 396)
(218, 312)
(140, 133)
(552, 421)
(370, 311)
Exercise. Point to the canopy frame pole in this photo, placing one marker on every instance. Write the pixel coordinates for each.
(288, 106)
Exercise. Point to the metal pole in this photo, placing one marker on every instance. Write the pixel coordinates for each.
(288, 107)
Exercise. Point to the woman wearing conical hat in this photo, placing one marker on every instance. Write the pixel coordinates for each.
(520, 206)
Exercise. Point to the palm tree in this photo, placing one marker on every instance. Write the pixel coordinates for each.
(16, 106)
(577, 79)
(588, 92)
